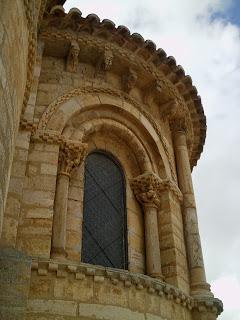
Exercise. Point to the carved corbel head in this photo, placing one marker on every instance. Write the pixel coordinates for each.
(169, 110)
(72, 59)
(153, 89)
(105, 62)
(129, 80)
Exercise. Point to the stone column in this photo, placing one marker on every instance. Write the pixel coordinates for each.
(198, 282)
(71, 155)
(145, 188)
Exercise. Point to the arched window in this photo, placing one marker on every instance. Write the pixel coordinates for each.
(104, 217)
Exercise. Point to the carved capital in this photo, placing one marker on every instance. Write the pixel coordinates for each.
(129, 80)
(146, 189)
(72, 59)
(170, 186)
(178, 124)
(71, 156)
(149, 198)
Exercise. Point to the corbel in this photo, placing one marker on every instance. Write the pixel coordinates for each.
(105, 62)
(151, 91)
(169, 109)
(129, 80)
(72, 59)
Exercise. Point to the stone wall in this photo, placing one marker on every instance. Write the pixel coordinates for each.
(80, 95)
(104, 122)
(90, 292)
(13, 75)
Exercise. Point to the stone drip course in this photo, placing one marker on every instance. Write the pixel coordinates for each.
(116, 277)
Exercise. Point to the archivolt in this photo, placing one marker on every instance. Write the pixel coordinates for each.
(65, 107)
(92, 126)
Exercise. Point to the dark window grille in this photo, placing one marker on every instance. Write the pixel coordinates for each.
(104, 217)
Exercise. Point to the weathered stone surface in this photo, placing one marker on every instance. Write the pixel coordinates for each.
(15, 273)
(78, 92)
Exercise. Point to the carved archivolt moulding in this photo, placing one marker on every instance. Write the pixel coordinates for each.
(52, 108)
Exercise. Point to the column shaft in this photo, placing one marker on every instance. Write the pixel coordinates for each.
(153, 259)
(60, 216)
(193, 245)
(71, 155)
(146, 190)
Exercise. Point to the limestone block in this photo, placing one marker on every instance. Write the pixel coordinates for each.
(76, 290)
(49, 169)
(9, 231)
(38, 198)
(41, 156)
(137, 300)
(110, 295)
(152, 304)
(53, 307)
(135, 222)
(94, 311)
(41, 182)
(37, 246)
(39, 213)
(41, 287)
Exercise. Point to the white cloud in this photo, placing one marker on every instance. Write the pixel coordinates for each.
(209, 50)
(221, 288)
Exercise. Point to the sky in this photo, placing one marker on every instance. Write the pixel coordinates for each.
(204, 37)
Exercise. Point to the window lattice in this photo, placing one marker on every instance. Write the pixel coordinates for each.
(104, 225)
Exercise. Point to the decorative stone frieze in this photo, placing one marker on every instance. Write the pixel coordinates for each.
(72, 59)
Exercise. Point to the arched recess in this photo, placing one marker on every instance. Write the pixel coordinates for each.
(59, 112)
(116, 126)
(110, 138)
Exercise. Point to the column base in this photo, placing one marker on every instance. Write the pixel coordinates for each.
(156, 276)
(58, 254)
(200, 288)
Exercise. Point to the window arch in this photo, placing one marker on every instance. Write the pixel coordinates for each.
(104, 213)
